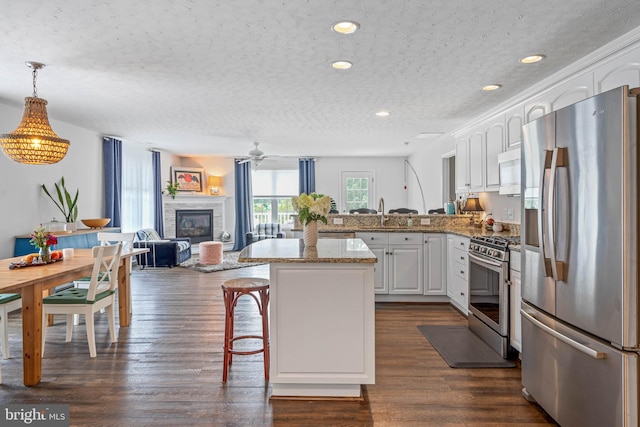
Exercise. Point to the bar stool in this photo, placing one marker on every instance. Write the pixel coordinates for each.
(232, 290)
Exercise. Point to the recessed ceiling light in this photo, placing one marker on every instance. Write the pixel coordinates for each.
(345, 27)
(492, 87)
(341, 65)
(532, 59)
(383, 113)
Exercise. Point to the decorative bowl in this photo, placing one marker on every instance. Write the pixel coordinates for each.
(96, 222)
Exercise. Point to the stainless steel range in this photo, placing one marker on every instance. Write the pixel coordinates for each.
(489, 291)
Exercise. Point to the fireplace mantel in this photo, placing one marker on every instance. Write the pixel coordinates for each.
(194, 201)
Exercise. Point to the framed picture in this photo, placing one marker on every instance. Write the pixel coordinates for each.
(188, 179)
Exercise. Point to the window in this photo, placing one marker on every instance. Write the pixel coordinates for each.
(272, 192)
(357, 190)
(137, 188)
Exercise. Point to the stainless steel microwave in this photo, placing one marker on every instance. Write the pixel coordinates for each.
(509, 172)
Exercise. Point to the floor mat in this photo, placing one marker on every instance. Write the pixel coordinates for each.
(229, 262)
(461, 348)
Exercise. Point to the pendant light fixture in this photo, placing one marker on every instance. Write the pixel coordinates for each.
(34, 142)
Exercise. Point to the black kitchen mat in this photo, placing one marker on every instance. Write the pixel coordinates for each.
(461, 348)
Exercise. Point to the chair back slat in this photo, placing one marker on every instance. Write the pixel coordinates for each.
(110, 238)
(107, 262)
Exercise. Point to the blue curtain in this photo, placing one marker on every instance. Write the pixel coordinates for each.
(112, 155)
(307, 175)
(157, 194)
(244, 204)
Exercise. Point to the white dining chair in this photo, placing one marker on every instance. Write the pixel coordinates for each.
(100, 294)
(105, 238)
(8, 303)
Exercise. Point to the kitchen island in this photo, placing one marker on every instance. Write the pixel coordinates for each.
(322, 321)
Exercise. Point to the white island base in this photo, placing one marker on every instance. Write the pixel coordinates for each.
(322, 317)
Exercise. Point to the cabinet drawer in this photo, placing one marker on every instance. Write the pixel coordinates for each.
(460, 256)
(461, 243)
(375, 238)
(460, 270)
(405, 238)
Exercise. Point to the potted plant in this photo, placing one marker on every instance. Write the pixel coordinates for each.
(172, 189)
(65, 203)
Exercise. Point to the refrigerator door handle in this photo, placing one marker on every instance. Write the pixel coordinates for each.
(558, 159)
(541, 220)
(575, 344)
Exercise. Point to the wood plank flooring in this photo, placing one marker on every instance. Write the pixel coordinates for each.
(166, 369)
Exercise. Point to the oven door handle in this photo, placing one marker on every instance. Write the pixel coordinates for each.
(485, 262)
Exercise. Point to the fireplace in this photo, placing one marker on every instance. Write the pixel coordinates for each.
(195, 223)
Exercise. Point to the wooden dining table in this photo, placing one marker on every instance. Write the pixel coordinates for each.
(33, 281)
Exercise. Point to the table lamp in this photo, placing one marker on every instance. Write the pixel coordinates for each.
(472, 204)
(214, 183)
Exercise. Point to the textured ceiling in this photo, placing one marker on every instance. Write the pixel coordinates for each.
(210, 77)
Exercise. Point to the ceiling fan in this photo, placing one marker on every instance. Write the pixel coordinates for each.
(256, 155)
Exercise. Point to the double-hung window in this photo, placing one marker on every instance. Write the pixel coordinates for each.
(357, 190)
(272, 192)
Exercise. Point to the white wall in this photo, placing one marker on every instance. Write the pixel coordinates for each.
(388, 178)
(25, 206)
(427, 161)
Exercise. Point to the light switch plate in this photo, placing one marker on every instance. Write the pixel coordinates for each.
(425, 221)
(337, 221)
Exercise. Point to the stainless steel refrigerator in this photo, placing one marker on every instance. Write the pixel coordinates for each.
(580, 328)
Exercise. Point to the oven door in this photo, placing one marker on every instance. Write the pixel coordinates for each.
(489, 292)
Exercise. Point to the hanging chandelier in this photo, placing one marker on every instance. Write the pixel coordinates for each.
(34, 142)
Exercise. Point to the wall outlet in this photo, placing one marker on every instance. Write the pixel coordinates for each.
(425, 221)
(510, 214)
(337, 221)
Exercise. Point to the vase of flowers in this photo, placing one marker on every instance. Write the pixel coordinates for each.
(43, 240)
(311, 208)
(172, 189)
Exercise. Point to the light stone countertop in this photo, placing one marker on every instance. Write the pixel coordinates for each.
(514, 231)
(294, 251)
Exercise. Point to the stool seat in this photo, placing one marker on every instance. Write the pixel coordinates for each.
(210, 252)
(233, 289)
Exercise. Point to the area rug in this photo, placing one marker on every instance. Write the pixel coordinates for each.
(461, 348)
(229, 262)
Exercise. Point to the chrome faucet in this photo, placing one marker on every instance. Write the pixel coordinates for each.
(381, 210)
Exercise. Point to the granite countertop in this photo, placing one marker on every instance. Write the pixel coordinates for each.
(461, 231)
(294, 251)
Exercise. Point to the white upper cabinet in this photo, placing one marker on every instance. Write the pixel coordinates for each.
(572, 91)
(514, 121)
(495, 144)
(620, 71)
(462, 164)
(476, 161)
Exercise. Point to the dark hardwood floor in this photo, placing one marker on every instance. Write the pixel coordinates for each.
(166, 369)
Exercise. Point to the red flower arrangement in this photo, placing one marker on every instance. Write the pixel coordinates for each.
(41, 238)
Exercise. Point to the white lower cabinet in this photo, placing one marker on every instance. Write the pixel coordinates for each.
(434, 267)
(399, 270)
(405, 263)
(378, 243)
(515, 300)
(457, 272)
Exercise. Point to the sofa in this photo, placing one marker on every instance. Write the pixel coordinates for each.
(162, 252)
(266, 231)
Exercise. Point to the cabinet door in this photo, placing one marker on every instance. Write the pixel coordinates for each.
(514, 122)
(380, 282)
(495, 135)
(515, 298)
(462, 165)
(405, 269)
(476, 162)
(620, 71)
(435, 264)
